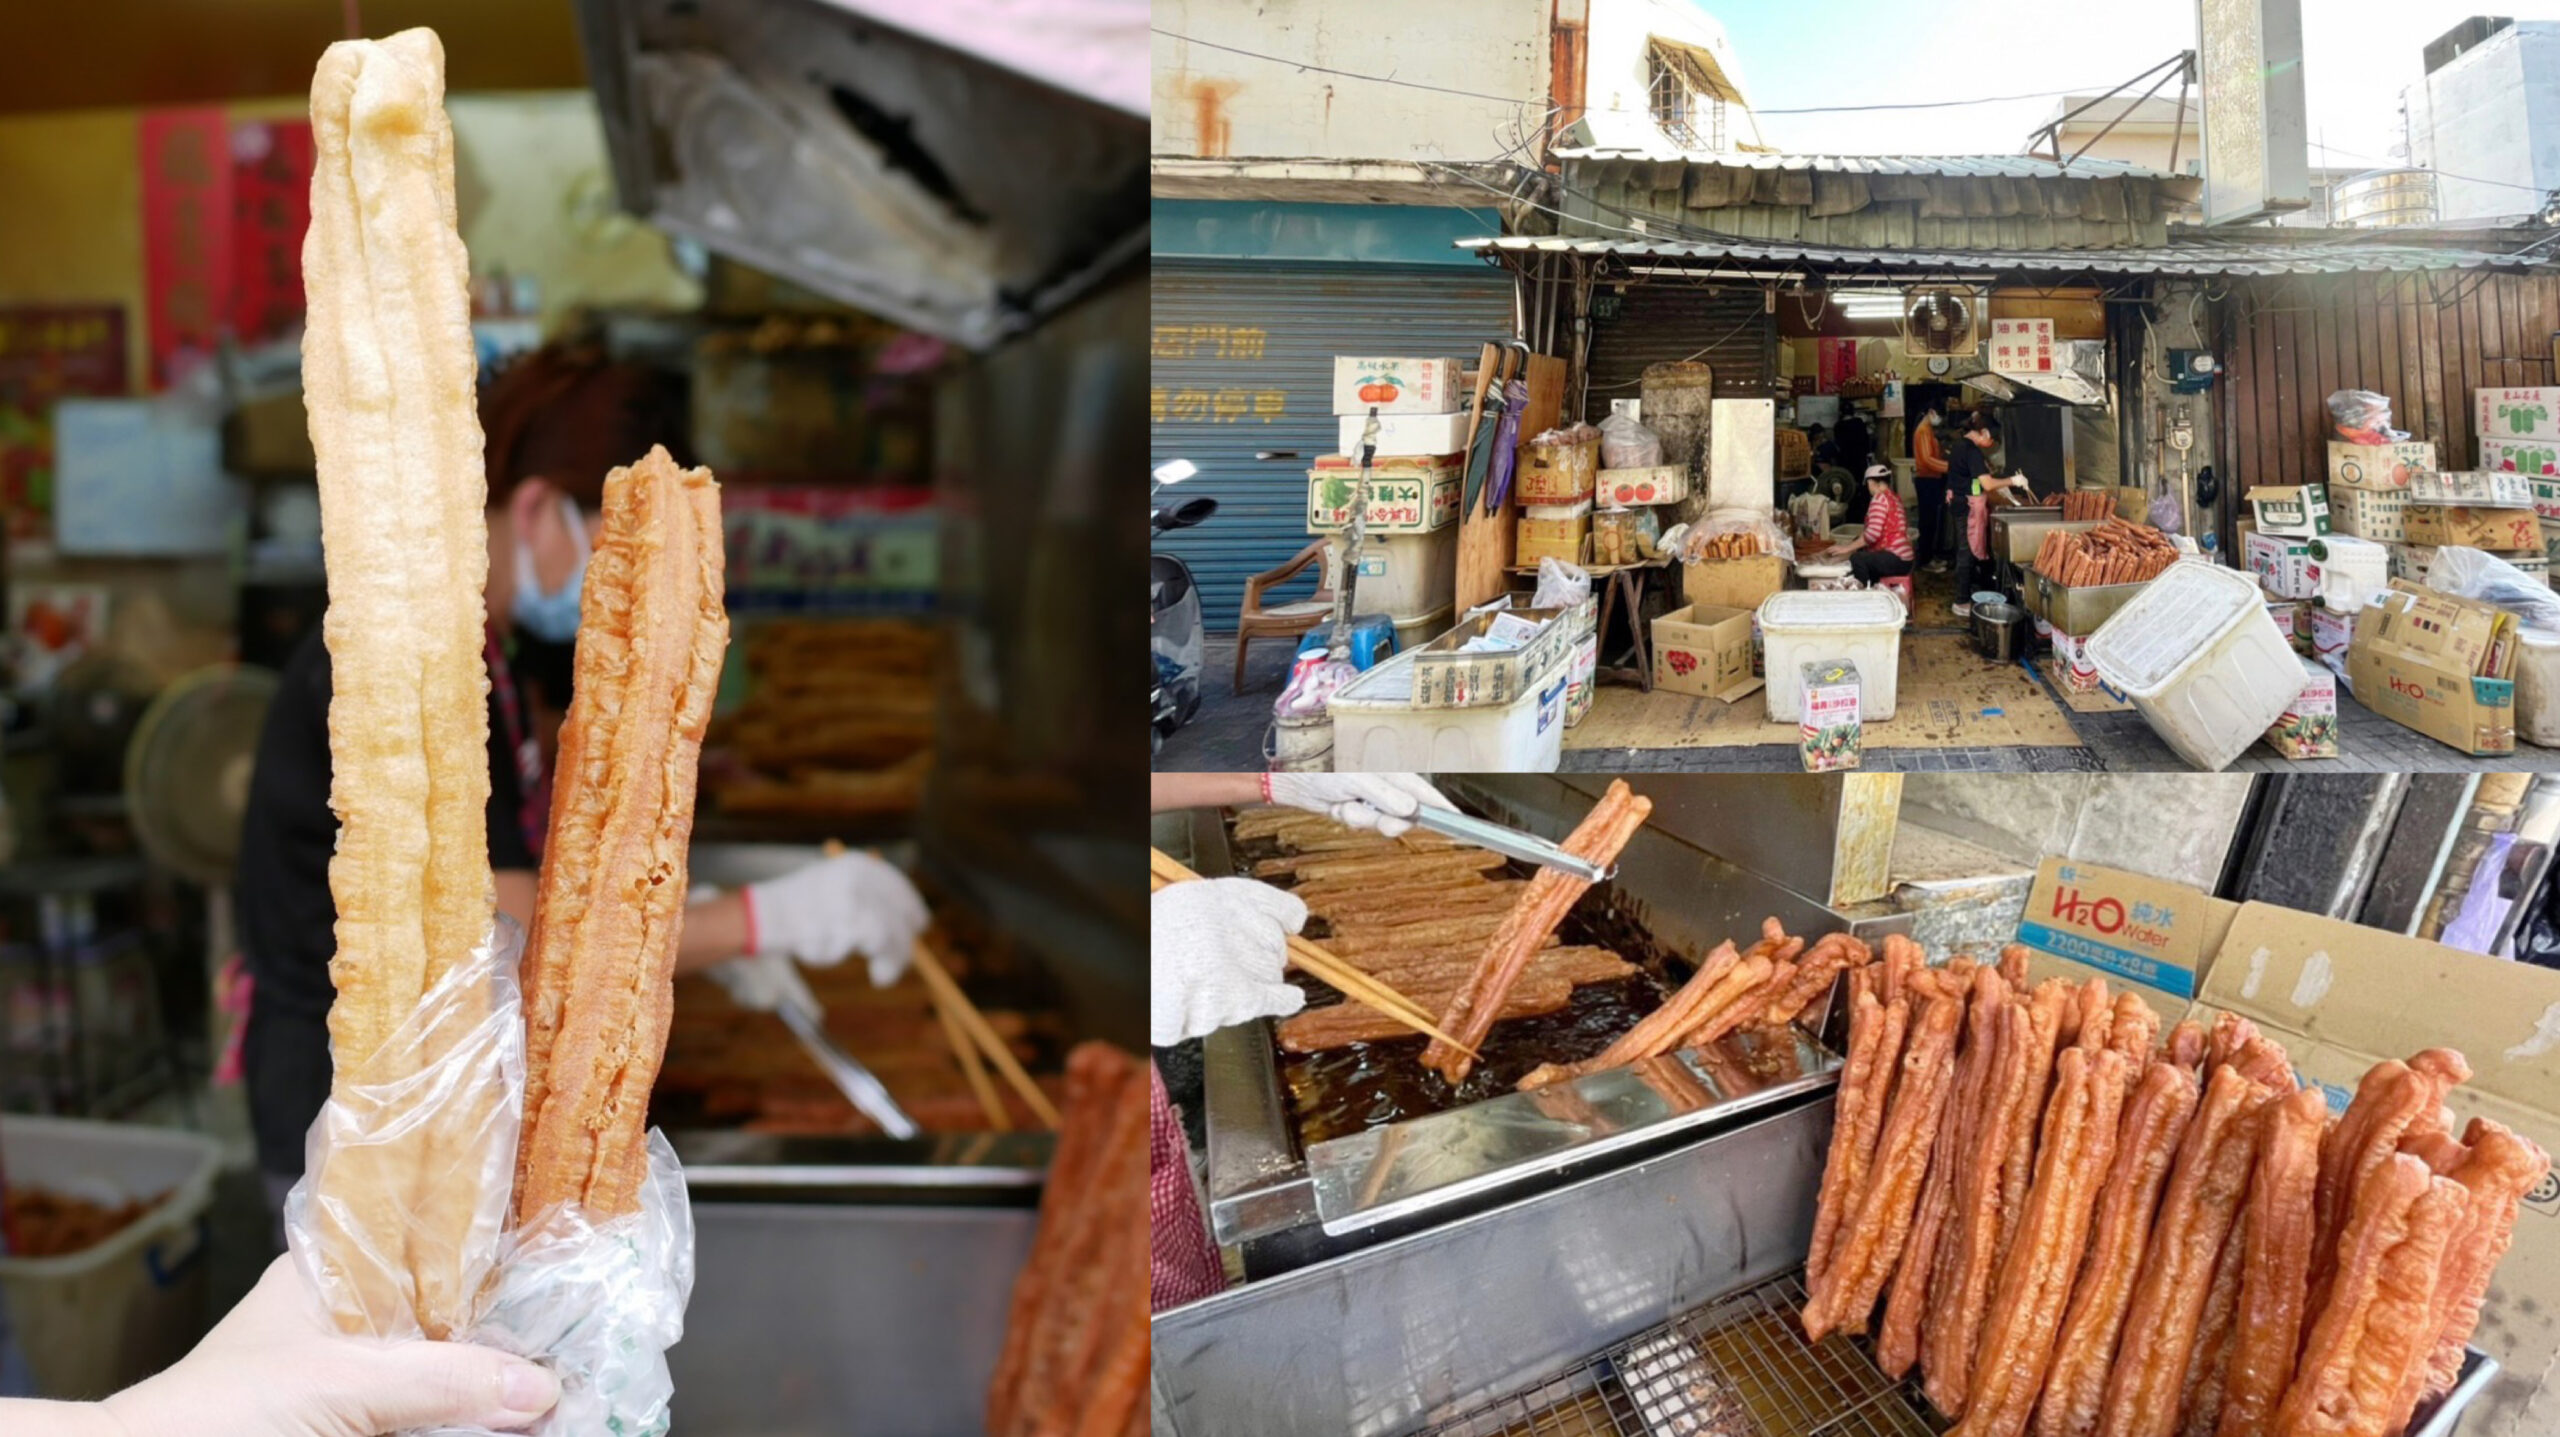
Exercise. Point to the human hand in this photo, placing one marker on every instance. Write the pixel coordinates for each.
(1215, 950)
(850, 903)
(1385, 802)
(762, 982)
(277, 1367)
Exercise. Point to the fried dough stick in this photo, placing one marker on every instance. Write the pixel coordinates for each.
(599, 968)
(2275, 1281)
(2155, 1120)
(2395, 1099)
(2381, 1217)
(1871, 1243)
(1898, 1340)
(1961, 1289)
(388, 376)
(2498, 1169)
(1603, 832)
(1866, 1081)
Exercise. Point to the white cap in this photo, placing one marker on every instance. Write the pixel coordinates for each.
(1879, 471)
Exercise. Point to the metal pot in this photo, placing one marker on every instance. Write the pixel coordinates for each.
(1997, 630)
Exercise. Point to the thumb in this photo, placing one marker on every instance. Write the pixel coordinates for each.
(427, 1384)
(1278, 904)
(1279, 1000)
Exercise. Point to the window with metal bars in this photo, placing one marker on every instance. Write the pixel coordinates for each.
(1680, 106)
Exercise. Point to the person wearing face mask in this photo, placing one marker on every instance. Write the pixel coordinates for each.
(555, 423)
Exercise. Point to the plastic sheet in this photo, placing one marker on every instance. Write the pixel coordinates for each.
(2167, 516)
(2363, 417)
(597, 1302)
(1626, 443)
(2477, 574)
(1560, 585)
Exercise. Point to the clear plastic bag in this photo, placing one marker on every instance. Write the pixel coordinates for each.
(1560, 585)
(2477, 574)
(2363, 417)
(1626, 443)
(2167, 516)
(1735, 534)
(597, 1302)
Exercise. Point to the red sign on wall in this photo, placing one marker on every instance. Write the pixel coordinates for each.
(1835, 364)
(270, 209)
(186, 236)
(48, 352)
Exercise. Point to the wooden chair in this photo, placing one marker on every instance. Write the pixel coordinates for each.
(1285, 620)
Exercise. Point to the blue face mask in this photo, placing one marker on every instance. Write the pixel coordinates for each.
(551, 617)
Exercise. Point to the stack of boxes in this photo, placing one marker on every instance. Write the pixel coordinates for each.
(2276, 543)
(2520, 434)
(2476, 509)
(1409, 561)
(1555, 486)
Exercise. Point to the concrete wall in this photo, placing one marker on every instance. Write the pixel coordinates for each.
(2177, 827)
(1619, 75)
(2492, 115)
(1217, 104)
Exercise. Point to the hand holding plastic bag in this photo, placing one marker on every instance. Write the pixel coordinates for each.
(407, 1190)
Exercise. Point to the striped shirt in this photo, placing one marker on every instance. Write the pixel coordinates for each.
(1886, 530)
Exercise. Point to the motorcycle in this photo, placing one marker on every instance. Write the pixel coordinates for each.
(1174, 636)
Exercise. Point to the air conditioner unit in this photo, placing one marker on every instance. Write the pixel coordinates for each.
(1941, 319)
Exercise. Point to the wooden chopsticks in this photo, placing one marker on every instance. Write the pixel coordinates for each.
(971, 1035)
(1353, 984)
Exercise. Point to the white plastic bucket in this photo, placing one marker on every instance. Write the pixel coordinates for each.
(2345, 571)
(1300, 745)
(1376, 728)
(2538, 688)
(1862, 626)
(95, 1321)
(2201, 661)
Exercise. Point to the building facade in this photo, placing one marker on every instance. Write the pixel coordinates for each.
(2486, 119)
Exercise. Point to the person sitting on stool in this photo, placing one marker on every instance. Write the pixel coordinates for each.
(1884, 550)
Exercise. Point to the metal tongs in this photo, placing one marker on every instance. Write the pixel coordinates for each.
(800, 1012)
(1509, 842)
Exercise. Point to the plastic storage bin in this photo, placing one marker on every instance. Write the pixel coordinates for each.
(1376, 728)
(2538, 688)
(2201, 660)
(106, 1317)
(1863, 626)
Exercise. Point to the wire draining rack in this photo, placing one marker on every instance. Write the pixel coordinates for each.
(1737, 1367)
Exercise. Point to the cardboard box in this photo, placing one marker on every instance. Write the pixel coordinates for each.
(1829, 732)
(1557, 473)
(2341, 998)
(1794, 457)
(2155, 937)
(2286, 615)
(2479, 488)
(2378, 514)
(2410, 561)
(1704, 650)
(1582, 674)
(2440, 665)
(2281, 562)
(2071, 666)
(1406, 496)
(2520, 456)
(1658, 484)
(2309, 728)
(1554, 531)
(2550, 540)
(2516, 413)
(2331, 632)
(1733, 583)
(1408, 434)
(2497, 530)
(1445, 677)
(2299, 509)
(2379, 467)
(2546, 498)
(2535, 565)
(1396, 386)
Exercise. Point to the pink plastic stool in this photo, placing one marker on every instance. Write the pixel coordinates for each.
(1901, 585)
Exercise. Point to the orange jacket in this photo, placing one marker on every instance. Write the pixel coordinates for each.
(1928, 461)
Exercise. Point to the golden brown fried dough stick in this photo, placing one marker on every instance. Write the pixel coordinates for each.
(1898, 1339)
(1866, 1082)
(2276, 1277)
(2499, 1168)
(1871, 1243)
(2394, 1099)
(1962, 1290)
(388, 374)
(599, 968)
(2323, 1397)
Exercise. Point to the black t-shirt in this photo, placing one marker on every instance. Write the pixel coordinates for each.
(286, 915)
(1966, 462)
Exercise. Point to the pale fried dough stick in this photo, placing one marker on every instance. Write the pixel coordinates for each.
(388, 370)
(600, 965)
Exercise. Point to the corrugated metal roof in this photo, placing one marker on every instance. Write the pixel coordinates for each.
(2203, 259)
(2010, 167)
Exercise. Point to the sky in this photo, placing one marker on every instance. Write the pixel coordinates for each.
(2357, 57)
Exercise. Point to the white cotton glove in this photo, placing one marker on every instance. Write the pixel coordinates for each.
(763, 982)
(851, 903)
(1215, 950)
(1385, 802)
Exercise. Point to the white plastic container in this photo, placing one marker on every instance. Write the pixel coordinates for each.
(1376, 728)
(103, 1318)
(2201, 661)
(2538, 688)
(2344, 571)
(1403, 576)
(1863, 626)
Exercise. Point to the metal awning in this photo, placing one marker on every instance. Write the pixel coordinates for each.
(1661, 149)
(2198, 260)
